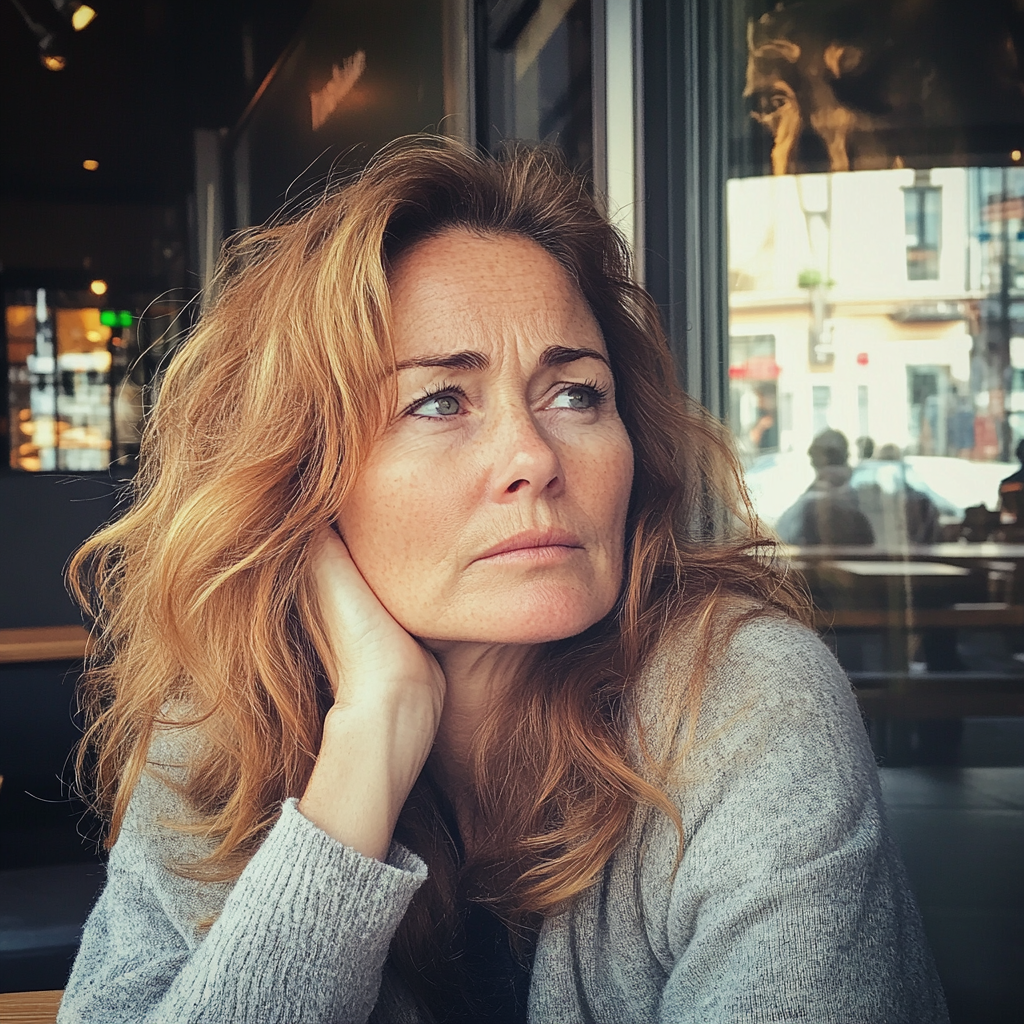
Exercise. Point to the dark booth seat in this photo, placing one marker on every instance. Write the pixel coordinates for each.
(50, 873)
(42, 911)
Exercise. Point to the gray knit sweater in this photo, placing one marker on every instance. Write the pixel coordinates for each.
(790, 903)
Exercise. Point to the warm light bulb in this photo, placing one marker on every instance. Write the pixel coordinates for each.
(82, 17)
(53, 62)
(1015, 155)
(98, 287)
(91, 165)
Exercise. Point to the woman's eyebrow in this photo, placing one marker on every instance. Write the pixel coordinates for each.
(470, 359)
(466, 360)
(558, 355)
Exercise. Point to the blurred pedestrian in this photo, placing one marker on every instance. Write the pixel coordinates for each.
(1011, 491)
(899, 512)
(865, 447)
(828, 512)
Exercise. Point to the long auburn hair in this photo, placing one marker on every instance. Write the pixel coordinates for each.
(202, 594)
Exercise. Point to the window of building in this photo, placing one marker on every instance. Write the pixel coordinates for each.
(923, 217)
(821, 402)
(535, 75)
(753, 393)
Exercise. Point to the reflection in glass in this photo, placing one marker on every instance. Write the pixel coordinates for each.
(538, 80)
(78, 379)
(843, 85)
(847, 320)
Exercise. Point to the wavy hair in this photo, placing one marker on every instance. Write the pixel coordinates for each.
(202, 593)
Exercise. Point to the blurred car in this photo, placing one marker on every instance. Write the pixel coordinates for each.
(776, 480)
(962, 482)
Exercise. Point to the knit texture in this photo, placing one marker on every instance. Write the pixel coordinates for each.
(790, 902)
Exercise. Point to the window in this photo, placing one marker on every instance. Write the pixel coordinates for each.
(78, 378)
(923, 216)
(821, 400)
(535, 60)
(754, 394)
(838, 187)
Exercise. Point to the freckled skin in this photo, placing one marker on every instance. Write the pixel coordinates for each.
(522, 451)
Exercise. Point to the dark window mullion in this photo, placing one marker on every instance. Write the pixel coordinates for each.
(685, 53)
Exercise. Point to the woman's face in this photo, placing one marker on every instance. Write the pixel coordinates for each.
(493, 507)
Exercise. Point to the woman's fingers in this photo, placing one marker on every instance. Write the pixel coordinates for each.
(389, 691)
(371, 651)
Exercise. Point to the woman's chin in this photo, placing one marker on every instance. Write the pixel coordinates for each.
(518, 621)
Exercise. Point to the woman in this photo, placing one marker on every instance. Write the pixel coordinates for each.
(441, 663)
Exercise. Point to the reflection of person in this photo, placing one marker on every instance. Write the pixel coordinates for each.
(388, 760)
(1011, 491)
(764, 434)
(843, 86)
(828, 512)
(904, 513)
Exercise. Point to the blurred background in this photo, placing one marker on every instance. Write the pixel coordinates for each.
(826, 198)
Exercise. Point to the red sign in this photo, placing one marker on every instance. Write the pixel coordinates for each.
(755, 368)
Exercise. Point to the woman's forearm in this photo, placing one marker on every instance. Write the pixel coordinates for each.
(370, 756)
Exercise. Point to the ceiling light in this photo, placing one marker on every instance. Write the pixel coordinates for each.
(98, 287)
(91, 165)
(50, 50)
(82, 16)
(50, 54)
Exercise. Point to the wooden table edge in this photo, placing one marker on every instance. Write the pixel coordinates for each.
(30, 1007)
(43, 643)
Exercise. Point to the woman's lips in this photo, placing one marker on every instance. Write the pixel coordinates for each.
(533, 545)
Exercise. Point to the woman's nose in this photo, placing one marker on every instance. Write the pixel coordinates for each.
(524, 457)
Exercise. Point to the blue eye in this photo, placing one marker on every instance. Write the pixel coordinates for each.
(438, 406)
(580, 396)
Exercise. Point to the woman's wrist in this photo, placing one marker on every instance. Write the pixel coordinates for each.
(367, 764)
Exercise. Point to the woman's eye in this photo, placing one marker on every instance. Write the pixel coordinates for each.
(438, 406)
(581, 396)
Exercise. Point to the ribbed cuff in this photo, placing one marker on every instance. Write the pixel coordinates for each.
(305, 931)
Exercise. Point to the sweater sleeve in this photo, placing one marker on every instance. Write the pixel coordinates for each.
(301, 936)
(791, 902)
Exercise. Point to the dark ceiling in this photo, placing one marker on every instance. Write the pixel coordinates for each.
(138, 80)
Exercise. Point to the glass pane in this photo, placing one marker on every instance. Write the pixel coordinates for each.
(875, 216)
(538, 79)
(837, 324)
(874, 151)
(61, 358)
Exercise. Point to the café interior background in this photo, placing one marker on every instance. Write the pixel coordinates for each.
(826, 197)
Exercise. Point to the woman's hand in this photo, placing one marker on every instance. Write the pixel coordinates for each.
(388, 690)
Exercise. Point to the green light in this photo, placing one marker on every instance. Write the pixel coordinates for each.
(108, 317)
(124, 318)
